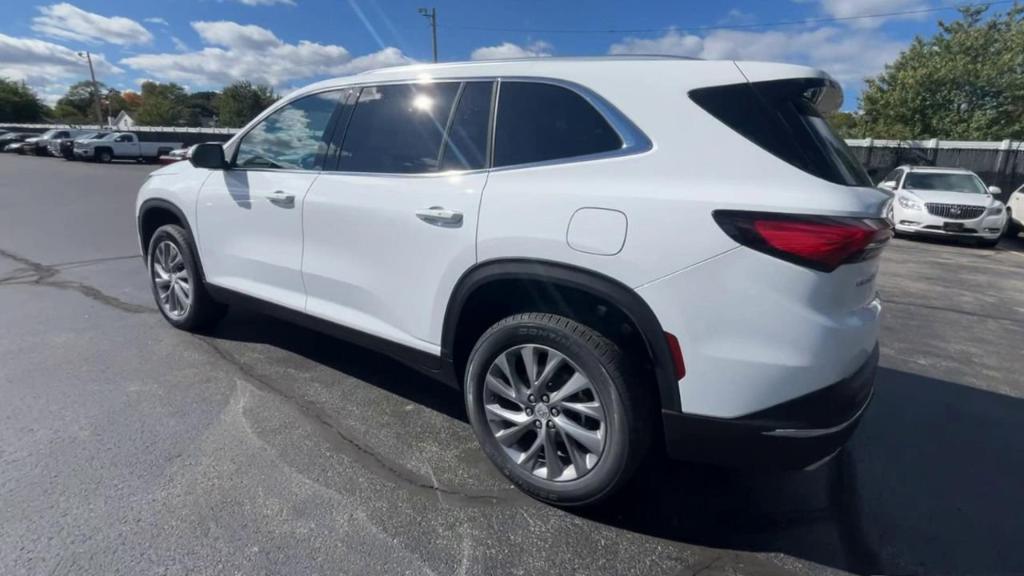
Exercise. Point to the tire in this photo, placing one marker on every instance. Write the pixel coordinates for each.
(551, 416)
(104, 156)
(170, 253)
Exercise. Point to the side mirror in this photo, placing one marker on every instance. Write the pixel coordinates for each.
(209, 155)
(995, 190)
(888, 185)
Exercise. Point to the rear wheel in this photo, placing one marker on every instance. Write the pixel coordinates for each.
(177, 283)
(553, 408)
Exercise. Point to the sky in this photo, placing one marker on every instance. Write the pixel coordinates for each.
(205, 44)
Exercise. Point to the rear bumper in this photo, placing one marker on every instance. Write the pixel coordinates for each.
(795, 434)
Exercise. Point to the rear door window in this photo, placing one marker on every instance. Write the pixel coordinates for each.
(780, 117)
(540, 122)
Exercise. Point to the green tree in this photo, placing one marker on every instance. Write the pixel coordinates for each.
(78, 104)
(18, 103)
(203, 108)
(162, 105)
(240, 102)
(964, 83)
(847, 124)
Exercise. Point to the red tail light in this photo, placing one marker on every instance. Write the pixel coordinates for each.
(820, 242)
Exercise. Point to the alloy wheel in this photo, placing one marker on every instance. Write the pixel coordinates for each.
(544, 412)
(172, 280)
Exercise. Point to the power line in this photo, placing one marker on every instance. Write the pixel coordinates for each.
(731, 26)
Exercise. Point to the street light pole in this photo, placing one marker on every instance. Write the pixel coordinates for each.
(95, 88)
(431, 14)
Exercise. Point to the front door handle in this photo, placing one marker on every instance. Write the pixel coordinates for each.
(440, 216)
(282, 199)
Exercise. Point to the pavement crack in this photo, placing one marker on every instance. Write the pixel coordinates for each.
(358, 451)
(34, 273)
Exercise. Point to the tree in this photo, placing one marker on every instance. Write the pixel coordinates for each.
(78, 104)
(18, 103)
(203, 108)
(847, 124)
(964, 83)
(162, 105)
(240, 102)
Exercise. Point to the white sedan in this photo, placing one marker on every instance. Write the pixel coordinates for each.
(945, 202)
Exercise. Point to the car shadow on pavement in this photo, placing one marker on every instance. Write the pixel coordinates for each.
(930, 484)
(349, 359)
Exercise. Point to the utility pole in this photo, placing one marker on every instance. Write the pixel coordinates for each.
(431, 14)
(95, 88)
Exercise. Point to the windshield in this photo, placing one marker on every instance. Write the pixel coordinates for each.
(107, 137)
(952, 182)
(48, 134)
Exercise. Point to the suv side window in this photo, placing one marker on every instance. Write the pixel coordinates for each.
(398, 129)
(290, 138)
(538, 122)
(466, 145)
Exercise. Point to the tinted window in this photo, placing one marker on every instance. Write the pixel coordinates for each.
(398, 129)
(538, 122)
(778, 117)
(292, 137)
(466, 147)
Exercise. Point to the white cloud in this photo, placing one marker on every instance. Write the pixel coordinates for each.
(156, 20)
(510, 50)
(267, 2)
(47, 67)
(848, 55)
(72, 23)
(854, 8)
(179, 44)
(234, 51)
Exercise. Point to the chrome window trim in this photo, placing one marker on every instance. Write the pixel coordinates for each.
(634, 140)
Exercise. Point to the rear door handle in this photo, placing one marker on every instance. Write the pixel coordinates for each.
(282, 199)
(440, 216)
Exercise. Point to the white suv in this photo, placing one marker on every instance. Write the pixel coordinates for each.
(952, 202)
(598, 252)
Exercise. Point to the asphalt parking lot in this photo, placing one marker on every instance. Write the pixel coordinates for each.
(127, 447)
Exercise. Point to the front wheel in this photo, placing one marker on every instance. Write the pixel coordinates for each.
(553, 408)
(176, 281)
(104, 156)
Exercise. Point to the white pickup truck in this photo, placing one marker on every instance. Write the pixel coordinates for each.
(122, 145)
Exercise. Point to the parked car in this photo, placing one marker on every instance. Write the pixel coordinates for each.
(11, 138)
(65, 147)
(42, 144)
(950, 202)
(174, 156)
(696, 259)
(1015, 212)
(122, 145)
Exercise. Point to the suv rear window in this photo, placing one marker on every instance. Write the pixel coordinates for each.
(780, 117)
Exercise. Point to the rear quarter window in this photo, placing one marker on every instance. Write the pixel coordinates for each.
(540, 122)
(779, 117)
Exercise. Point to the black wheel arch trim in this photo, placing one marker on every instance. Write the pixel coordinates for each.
(567, 276)
(161, 204)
